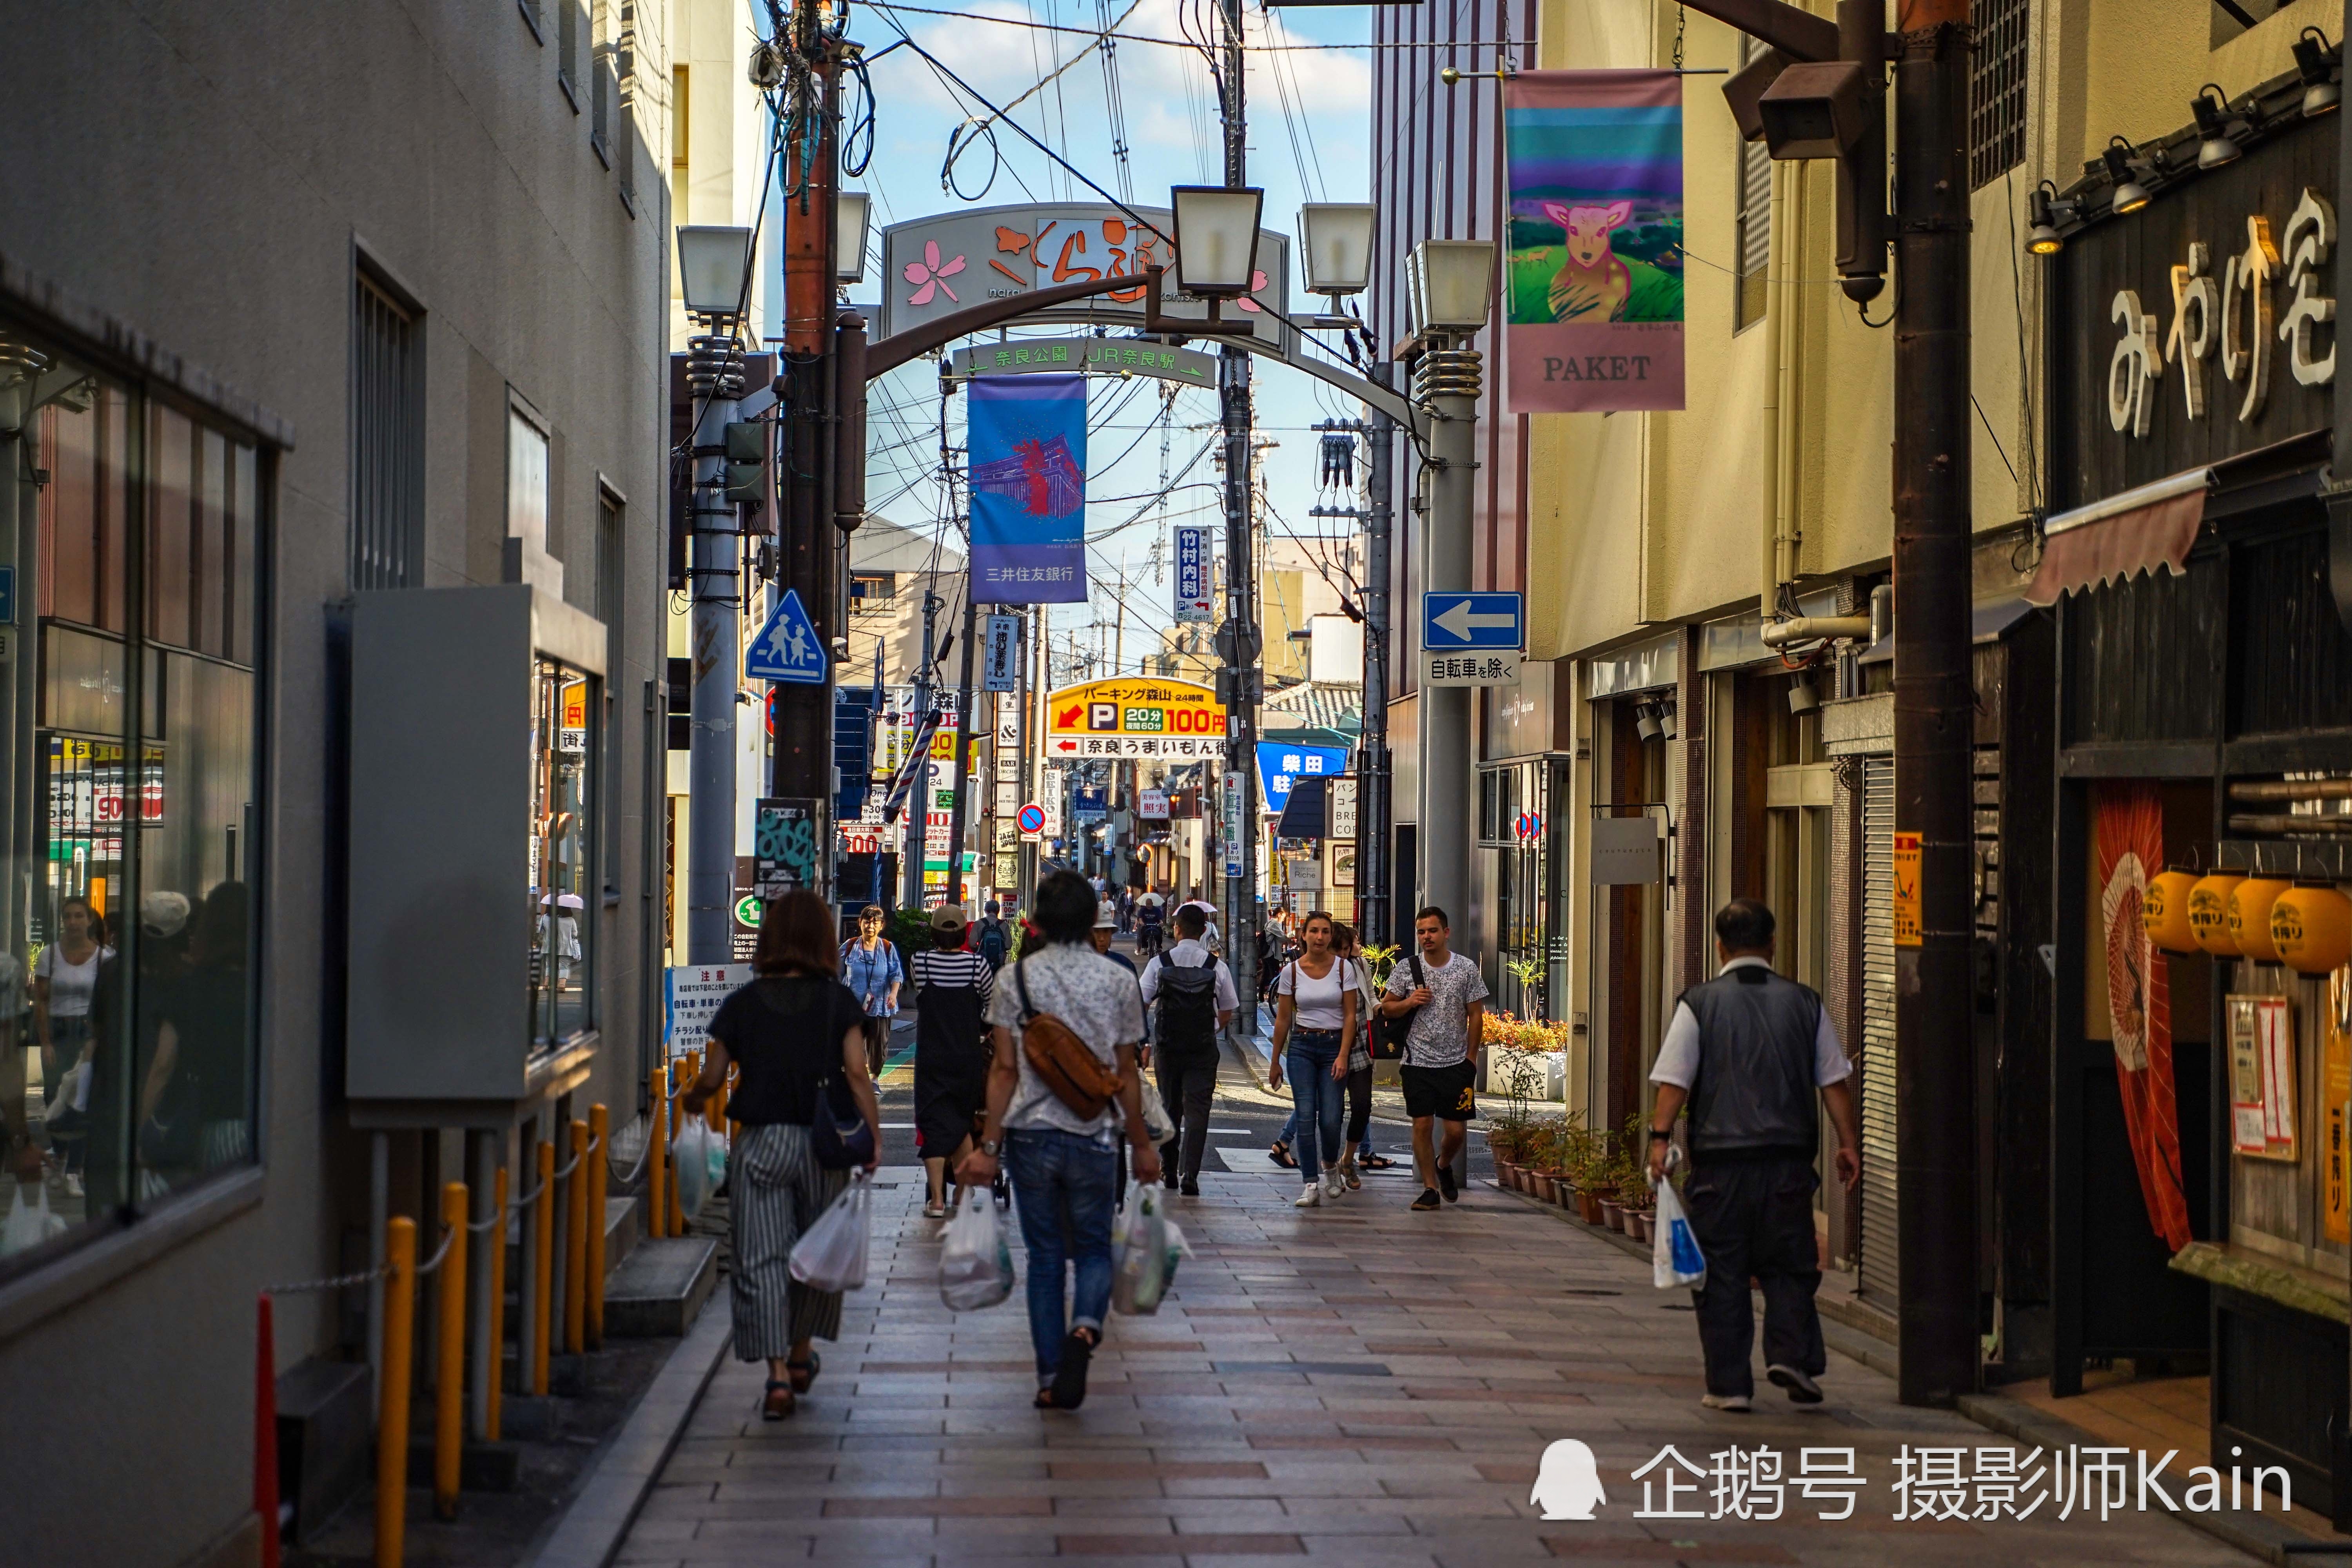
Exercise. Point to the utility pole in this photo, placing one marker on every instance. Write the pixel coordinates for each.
(1935, 702)
(1374, 917)
(1032, 737)
(821, 488)
(917, 815)
(1237, 640)
(961, 766)
(714, 379)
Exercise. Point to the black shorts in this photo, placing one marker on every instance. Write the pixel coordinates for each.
(1446, 1093)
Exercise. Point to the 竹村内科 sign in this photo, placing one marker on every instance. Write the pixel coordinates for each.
(1134, 717)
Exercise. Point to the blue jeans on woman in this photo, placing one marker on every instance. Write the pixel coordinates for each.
(1065, 1186)
(1319, 1101)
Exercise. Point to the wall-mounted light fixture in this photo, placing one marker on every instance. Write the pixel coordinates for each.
(2130, 196)
(2317, 61)
(1645, 721)
(2215, 145)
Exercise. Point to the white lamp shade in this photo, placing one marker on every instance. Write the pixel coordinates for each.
(1335, 244)
(712, 263)
(1216, 239)
(852, 211)
(1453, 284)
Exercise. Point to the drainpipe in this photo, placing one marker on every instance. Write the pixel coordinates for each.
(1775, 325)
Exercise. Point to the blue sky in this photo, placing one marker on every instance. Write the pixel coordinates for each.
(1309, 119)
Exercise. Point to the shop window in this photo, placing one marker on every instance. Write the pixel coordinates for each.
(564, 719)
(130, 795)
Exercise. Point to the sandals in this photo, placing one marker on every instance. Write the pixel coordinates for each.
(1068, 1389)
(777, 1401)
(1377, 1163)
(1355, 1182)
(935, 1210)
(803, 1373)
(1280, 1154)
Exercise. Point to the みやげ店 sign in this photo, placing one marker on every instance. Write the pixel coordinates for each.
(2204, 320)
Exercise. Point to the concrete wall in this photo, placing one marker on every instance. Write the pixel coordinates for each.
(205, 175)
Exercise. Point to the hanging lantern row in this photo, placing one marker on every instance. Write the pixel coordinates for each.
(2267, 919)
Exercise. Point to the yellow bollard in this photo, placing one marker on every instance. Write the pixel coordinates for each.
(543, 1256)
(714, 1110)
(599, 1129)
(498, 1301)
(657, 1167)
(392, 1409)
(449, 1378)
(575, 1243)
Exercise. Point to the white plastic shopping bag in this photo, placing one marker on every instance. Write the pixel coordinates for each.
(1156, 1119)
(1674, 1256)
(1139, 1253)
(701, 1160)
(976, 1264)
(831, 1255)
(29, 1225)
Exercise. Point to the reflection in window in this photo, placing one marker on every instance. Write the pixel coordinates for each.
(127, 797)
(564, 713)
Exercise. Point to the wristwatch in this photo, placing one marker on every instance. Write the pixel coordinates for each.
(989, 1147)
(1655, 1134)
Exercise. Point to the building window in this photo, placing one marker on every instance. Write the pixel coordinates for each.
(526, 479)
(681, 100)
(604, 88)
(872, 590)
(1753, 242)
(387, 441)
(127, 926)
(612, 596)
(567, 51)
(1997, 90)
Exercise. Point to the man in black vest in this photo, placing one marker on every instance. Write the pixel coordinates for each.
(1745, 1052)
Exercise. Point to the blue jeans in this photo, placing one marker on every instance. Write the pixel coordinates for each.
(1065, 1186)
(1318, 1101)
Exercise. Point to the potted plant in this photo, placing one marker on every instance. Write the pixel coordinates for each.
(1594, 1179)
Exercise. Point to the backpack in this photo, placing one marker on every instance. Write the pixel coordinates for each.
(1067, 1064)
(1388, 1034)
(1186, 1011)
(994, 943)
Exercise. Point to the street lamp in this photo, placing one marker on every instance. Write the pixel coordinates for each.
(1450, 285)
(714, 274)
(1335, 245)
(1216, 240)
(714, 266)
(852, 211)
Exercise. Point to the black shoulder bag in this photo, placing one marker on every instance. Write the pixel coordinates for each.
(1389, 1033)
(839, 1143)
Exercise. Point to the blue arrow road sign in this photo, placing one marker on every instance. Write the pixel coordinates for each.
(1463, 620)
(787, 648)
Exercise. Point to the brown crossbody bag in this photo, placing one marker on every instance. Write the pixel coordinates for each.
(1065, 1062)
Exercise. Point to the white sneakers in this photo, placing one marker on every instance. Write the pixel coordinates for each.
(1311, 1198)
(1328, 1186)
(1733, 1402)
(1334, 1185)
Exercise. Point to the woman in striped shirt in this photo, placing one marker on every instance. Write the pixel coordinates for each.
(953, 987)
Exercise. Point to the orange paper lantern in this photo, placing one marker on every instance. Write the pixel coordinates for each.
(2312, 929)
(2209, 912)
(2164, 911)
(2250, 916)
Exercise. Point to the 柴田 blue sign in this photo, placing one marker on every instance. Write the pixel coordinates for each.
(1278, 767)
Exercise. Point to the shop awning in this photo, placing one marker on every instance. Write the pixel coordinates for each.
(2129, 533)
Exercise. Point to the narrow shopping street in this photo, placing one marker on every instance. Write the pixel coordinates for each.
(1361, 1383)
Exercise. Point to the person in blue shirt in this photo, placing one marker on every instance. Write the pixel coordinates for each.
(870, 968)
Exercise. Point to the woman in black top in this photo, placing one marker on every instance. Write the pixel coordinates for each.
(797, 1032)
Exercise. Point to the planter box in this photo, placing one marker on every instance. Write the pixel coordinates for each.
(1612, 1215)
(1637, 1223)
(1543, 1184)
(1588, 1204)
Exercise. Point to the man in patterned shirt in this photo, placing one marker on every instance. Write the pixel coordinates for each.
(1446, 997)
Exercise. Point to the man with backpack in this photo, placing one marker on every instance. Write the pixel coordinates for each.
(993, 940)
(1192, 993)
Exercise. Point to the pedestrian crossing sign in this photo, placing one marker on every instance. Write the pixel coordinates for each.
(787, 649)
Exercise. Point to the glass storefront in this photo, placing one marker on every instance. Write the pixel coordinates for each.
(564, 709)
(130, 536)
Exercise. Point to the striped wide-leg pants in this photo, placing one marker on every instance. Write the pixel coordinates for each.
(775, 1190)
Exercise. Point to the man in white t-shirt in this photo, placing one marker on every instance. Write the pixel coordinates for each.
(1193, 993)
(1447, 998)
(1747, 1053)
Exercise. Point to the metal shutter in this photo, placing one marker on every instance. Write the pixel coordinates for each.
(1755, 208)
(1880, 1256)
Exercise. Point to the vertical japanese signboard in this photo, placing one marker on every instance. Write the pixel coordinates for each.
(1906, 889)
(1001, 668)
(1195, 574)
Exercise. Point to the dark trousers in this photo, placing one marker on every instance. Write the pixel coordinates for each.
(1754, 1217)
(1359, 1106)
(1188, 1084)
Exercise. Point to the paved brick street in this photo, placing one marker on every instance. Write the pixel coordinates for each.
(1363, 1384)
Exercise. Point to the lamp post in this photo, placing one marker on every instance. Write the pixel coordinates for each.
(714, 266)
(1451, 285)
(1216, 256)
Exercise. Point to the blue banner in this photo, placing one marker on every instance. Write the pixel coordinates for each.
(1028, 441)
(1278, 767)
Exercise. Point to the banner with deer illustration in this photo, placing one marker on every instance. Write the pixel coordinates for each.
(1593, 247)
(1027, 436)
